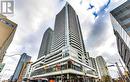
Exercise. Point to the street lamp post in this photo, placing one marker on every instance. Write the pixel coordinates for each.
(119, 70)
(8, 69)
(12, 55)
(126, 71)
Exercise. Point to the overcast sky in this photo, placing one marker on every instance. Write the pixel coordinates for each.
(35, 16)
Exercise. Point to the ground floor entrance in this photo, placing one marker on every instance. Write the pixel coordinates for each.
(70, 78)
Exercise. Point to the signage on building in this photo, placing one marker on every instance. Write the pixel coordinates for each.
(7, 7)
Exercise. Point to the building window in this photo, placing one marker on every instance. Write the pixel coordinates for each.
(65, 55)
(125, 54)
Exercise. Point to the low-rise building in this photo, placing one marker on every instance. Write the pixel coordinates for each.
(7, 31)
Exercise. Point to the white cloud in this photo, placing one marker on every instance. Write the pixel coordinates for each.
(34, 17)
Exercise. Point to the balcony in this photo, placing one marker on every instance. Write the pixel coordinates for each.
(126, 23)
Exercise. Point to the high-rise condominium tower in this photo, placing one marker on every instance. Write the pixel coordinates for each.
(93, 63)
(46, 43)
(67, 59)
(102, 66)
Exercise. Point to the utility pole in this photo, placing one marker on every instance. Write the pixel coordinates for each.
(125, 70)
(120, 72)
(122, 65)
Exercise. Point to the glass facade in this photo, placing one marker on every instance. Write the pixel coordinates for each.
(23, 59)
(117, 27)
(120, 18)
(46, 43)
(102, 66)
